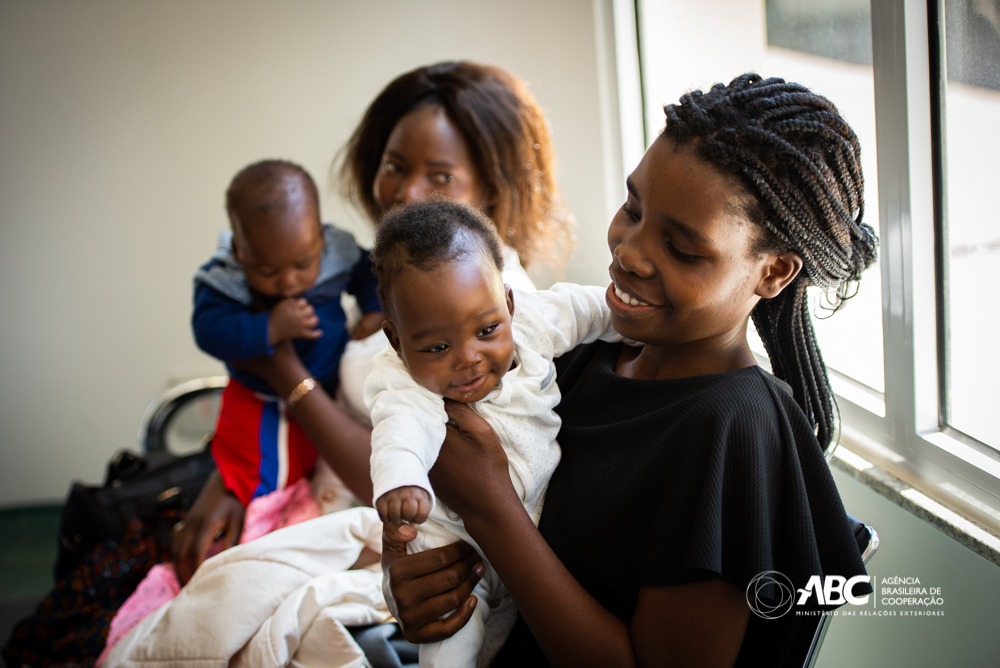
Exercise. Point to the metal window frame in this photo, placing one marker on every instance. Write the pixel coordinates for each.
(912, 441)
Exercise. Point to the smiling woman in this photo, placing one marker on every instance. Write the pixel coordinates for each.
(686, 267)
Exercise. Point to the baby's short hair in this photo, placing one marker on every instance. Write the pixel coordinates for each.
(424, 235)
(270, 186)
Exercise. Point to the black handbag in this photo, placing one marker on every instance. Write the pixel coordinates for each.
(135, 485)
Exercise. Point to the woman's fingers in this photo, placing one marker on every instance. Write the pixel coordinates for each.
(439, 629)
(214, 512)
(429, 592)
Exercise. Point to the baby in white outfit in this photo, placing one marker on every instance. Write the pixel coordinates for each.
(455, 333)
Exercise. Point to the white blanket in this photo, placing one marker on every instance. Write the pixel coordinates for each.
(281, 600)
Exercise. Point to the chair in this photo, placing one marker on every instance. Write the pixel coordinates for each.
(868, 542)
(193, 405)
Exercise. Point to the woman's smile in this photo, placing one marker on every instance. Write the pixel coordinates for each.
(627, 298)
(625, 305)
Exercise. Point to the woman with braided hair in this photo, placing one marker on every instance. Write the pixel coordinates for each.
(688, 471)
(811, 200)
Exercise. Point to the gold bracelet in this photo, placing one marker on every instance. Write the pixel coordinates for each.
(301, 390)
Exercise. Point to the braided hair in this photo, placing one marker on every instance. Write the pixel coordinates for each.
(801, 164)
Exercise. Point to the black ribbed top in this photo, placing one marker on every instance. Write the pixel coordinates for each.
(675, 481)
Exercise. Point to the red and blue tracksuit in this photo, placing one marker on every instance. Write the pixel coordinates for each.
(281, 452)
(257, 447)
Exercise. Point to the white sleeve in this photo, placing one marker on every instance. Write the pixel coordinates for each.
(572, 314)
(355, 364)
(408, 426)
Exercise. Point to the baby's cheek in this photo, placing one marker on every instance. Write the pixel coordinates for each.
(430, 379)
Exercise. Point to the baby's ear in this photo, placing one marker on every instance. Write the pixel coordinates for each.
(778, 273)
(390, 333)
(510, 298)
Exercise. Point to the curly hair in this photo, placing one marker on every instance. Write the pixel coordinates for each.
(423, 235)
(800, 162)
(508, 138)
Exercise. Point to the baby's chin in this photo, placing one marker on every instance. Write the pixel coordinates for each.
(473, 394)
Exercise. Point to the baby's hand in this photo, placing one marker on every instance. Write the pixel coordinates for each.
(292, 318)
(368, 325)
(404, 504)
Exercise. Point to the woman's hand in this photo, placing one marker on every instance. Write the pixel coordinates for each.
(341, 440)
(368, 325)
(471, 469)
(282, 369)
(215, 513)
(421, 588)
(430, 593)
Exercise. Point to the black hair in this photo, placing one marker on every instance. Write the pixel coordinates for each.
(423, 235)
(800, 162)
(270, 186)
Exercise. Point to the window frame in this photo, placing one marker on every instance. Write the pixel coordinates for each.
(912, 440)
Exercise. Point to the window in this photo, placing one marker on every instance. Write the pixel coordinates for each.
(912, 357)
(968, 107)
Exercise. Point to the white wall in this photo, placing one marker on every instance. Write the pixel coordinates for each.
(121, 124)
